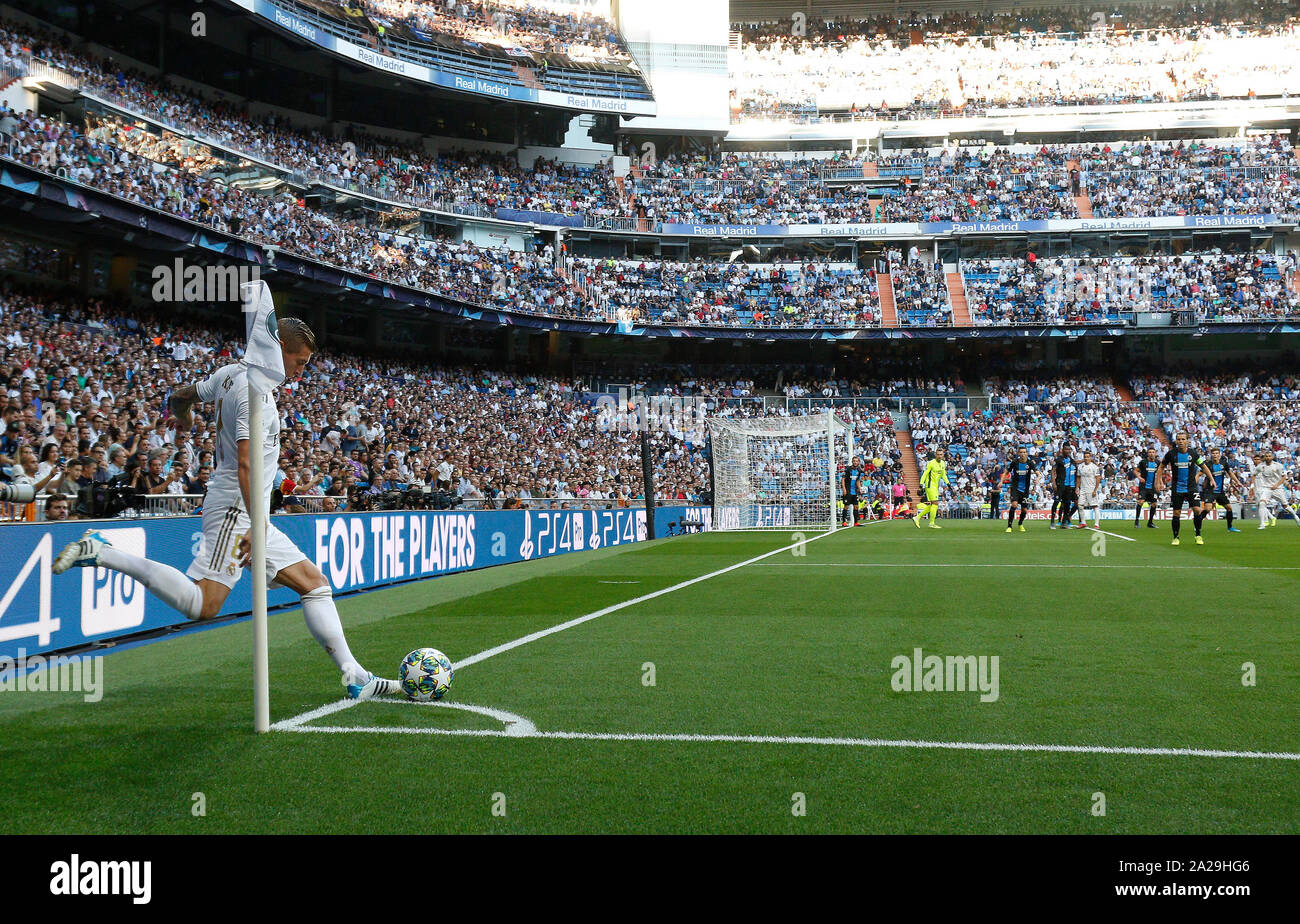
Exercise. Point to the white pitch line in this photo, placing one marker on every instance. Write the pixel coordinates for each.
(516, 726)
(1098, 529)
(829, 742)
(1017, 564)
(543, 633)
(313, 714)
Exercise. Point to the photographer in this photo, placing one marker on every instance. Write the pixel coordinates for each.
(58, 507)
(149, 479)
(10, 441)
(27, 470)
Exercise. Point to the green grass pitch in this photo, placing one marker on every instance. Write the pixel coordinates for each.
(1121, 645)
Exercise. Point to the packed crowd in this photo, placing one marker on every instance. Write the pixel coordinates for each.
(967, 64)
(911, 385)
(920, 291)
(1064, 19)
(746, 188)
(1250, 412)
(1246, 176)
(705, 292)
(982, 184)
(1255, 177)
(86, 384)
(400, 171)
(1250, 176)
(1239, 413)
(517, 24)
(1213, 286)
(1078, 389)
(1086, 412)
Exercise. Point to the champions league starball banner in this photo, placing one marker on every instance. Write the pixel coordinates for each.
(42, 612)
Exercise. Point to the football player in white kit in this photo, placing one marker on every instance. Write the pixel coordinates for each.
(1270, 488)
(1089, 491)
(224, 552)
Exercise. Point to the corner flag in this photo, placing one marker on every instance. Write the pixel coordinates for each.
(262, 355)
(265, 366)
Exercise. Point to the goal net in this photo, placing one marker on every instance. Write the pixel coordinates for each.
(778, 472)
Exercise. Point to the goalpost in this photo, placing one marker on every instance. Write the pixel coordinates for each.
(778, 472)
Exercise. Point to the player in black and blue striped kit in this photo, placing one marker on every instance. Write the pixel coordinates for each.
(1067, 488)
(1148, 492)
(1213, 490)
(852, 482)
(1021, 471)
(1185, 463)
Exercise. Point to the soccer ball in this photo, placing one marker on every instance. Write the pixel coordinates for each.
(425, 675)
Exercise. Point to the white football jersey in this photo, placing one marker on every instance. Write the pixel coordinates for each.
(227, 390)
(1267, 474)
(1089, 475)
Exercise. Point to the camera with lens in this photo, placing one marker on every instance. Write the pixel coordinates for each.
(17, 493)
(105, 501)
(444, 500)
(358, 499)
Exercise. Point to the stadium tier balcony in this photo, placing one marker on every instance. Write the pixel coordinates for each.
(571, 53)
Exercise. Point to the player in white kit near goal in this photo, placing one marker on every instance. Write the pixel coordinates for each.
(1089, 491)
(225, 550)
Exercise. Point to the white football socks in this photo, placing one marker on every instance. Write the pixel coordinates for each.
(164, 582)
(322, 618)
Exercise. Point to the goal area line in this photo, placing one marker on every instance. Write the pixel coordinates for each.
(518, 727)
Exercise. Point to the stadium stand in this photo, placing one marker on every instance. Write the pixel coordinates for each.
(966, 64)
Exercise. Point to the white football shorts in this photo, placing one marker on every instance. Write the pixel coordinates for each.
(218, 555)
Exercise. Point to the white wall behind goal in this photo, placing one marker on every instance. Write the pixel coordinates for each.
(681, 45)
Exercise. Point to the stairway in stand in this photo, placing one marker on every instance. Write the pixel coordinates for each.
(911, 473)
(957, 296)
(888, 313)
(527, 76)
(1083, 203)
(1126, 396)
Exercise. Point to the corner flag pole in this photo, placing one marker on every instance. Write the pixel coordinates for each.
(265, 371)
(257, 525)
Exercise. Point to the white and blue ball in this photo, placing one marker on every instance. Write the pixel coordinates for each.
(425, 675)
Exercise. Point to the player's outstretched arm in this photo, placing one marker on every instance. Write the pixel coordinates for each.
(181, 405)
